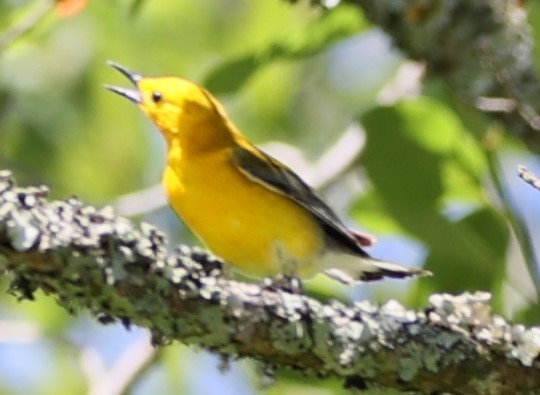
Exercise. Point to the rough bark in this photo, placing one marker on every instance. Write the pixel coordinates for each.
(90, 259)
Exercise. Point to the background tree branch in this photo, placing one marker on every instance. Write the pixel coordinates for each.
(529, 177)
(483, 50)
(90, 259)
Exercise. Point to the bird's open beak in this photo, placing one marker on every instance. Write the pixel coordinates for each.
(132, 94)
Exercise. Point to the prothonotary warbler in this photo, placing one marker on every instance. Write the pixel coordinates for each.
(247, 207)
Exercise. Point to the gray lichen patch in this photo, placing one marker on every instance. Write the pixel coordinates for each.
(471, 314)
(90, 259)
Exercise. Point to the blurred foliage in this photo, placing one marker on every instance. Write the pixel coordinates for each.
(425, 147)
(293, 73)
(230, 76)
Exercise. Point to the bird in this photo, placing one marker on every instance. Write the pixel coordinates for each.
(245, 206)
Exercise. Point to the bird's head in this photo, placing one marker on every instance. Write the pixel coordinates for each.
(177, 106)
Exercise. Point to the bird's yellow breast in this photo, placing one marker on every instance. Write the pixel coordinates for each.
(259, 231)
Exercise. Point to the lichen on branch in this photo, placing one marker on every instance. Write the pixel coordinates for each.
(90, 259)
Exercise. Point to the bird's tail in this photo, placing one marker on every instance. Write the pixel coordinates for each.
(371, 269)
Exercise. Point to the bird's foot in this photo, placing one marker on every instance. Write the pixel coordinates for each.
(284, 282)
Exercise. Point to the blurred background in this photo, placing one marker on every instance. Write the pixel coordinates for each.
(321, 89)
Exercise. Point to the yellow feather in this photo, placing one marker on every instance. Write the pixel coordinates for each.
(245, 206)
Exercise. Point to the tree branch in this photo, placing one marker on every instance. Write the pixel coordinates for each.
(529, 177)
(91, 259)
(120, 378)
(483, 50)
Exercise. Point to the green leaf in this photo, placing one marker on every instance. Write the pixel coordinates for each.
(460, 185)
(368, 210)
(433, 158)
(341, 22)
(465, 169)
(533, 17)
(404, 173)
(487, 235)
(136, 7)
(529, 314)
(430, 124)
(409, 170)
(233, 74)
(407, 176)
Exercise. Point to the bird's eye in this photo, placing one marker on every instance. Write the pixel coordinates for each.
(156, 96)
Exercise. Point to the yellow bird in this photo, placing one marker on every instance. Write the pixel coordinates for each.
(247, 207)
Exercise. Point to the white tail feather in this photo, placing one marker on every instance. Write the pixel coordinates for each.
(350, 269)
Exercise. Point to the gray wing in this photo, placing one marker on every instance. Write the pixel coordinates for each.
(261, 168)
